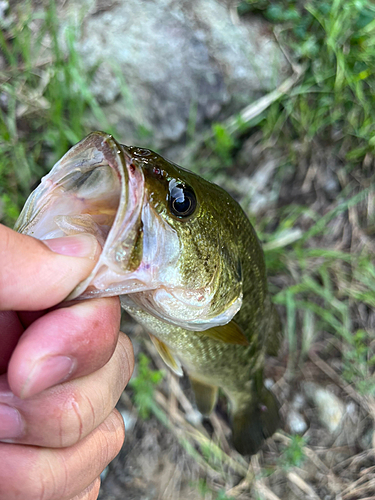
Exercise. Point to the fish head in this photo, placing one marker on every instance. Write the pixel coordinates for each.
(168, 237)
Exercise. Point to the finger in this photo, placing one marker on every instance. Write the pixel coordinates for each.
(63, 344)
(63, 415)
(59, 474)
(35, 276)
(10, 331)
(91, 492)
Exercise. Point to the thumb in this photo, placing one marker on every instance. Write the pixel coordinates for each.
(37, 274)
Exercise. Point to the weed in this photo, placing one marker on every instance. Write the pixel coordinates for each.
(222, 496)
(293, 455)
(334, 41)
(359, 363)
(206, 492)
(144, 385)
(222, 144)
(44, 98)
(323, 287)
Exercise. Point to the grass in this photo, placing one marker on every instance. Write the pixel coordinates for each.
(319, 247)
(144, 385)
(335, 41)
(293, 455)
(326, 286)
(333, 106)
(45, 97)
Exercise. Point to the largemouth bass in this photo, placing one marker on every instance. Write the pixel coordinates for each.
(184, 259)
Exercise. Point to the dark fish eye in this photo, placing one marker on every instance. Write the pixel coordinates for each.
(182, 200)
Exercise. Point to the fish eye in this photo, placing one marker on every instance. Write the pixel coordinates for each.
(182, 200)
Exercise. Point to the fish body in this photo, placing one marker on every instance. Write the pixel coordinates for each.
(185, 261)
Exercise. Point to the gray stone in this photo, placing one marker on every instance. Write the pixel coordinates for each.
(194, 417)
(269, 383)
(296, 422)
(366, 440)
(180, 62)
(129, 419)
(331, 409)
(4, 5)
(299, 401)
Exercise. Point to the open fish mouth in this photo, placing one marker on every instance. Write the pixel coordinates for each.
(103, 188)
(95, 188)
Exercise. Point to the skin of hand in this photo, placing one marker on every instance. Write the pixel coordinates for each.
(62, 371)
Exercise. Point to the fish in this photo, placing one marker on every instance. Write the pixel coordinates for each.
(187, 265)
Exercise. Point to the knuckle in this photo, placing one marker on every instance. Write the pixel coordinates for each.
(82, 407)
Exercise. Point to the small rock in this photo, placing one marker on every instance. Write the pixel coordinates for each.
(268, 383)
(330, 408)
(4, 6)
(351, 410)
(194, 417)
(103, 475)
(296, 422)
(299, 401)
(129, 420)
(366, 440)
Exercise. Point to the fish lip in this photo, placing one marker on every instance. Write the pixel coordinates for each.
(38, 200)
(114, 273)
(125, 227)
(96, 150)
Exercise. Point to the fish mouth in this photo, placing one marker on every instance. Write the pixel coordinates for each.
(101, 187)
(95, 188)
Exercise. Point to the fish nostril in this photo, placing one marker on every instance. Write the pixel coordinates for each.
(142, 152)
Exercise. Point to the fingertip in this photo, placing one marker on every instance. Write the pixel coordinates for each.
(47, 372)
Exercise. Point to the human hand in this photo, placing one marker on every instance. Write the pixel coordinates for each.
(61, 371)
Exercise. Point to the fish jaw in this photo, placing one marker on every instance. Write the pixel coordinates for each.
(189, 309)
